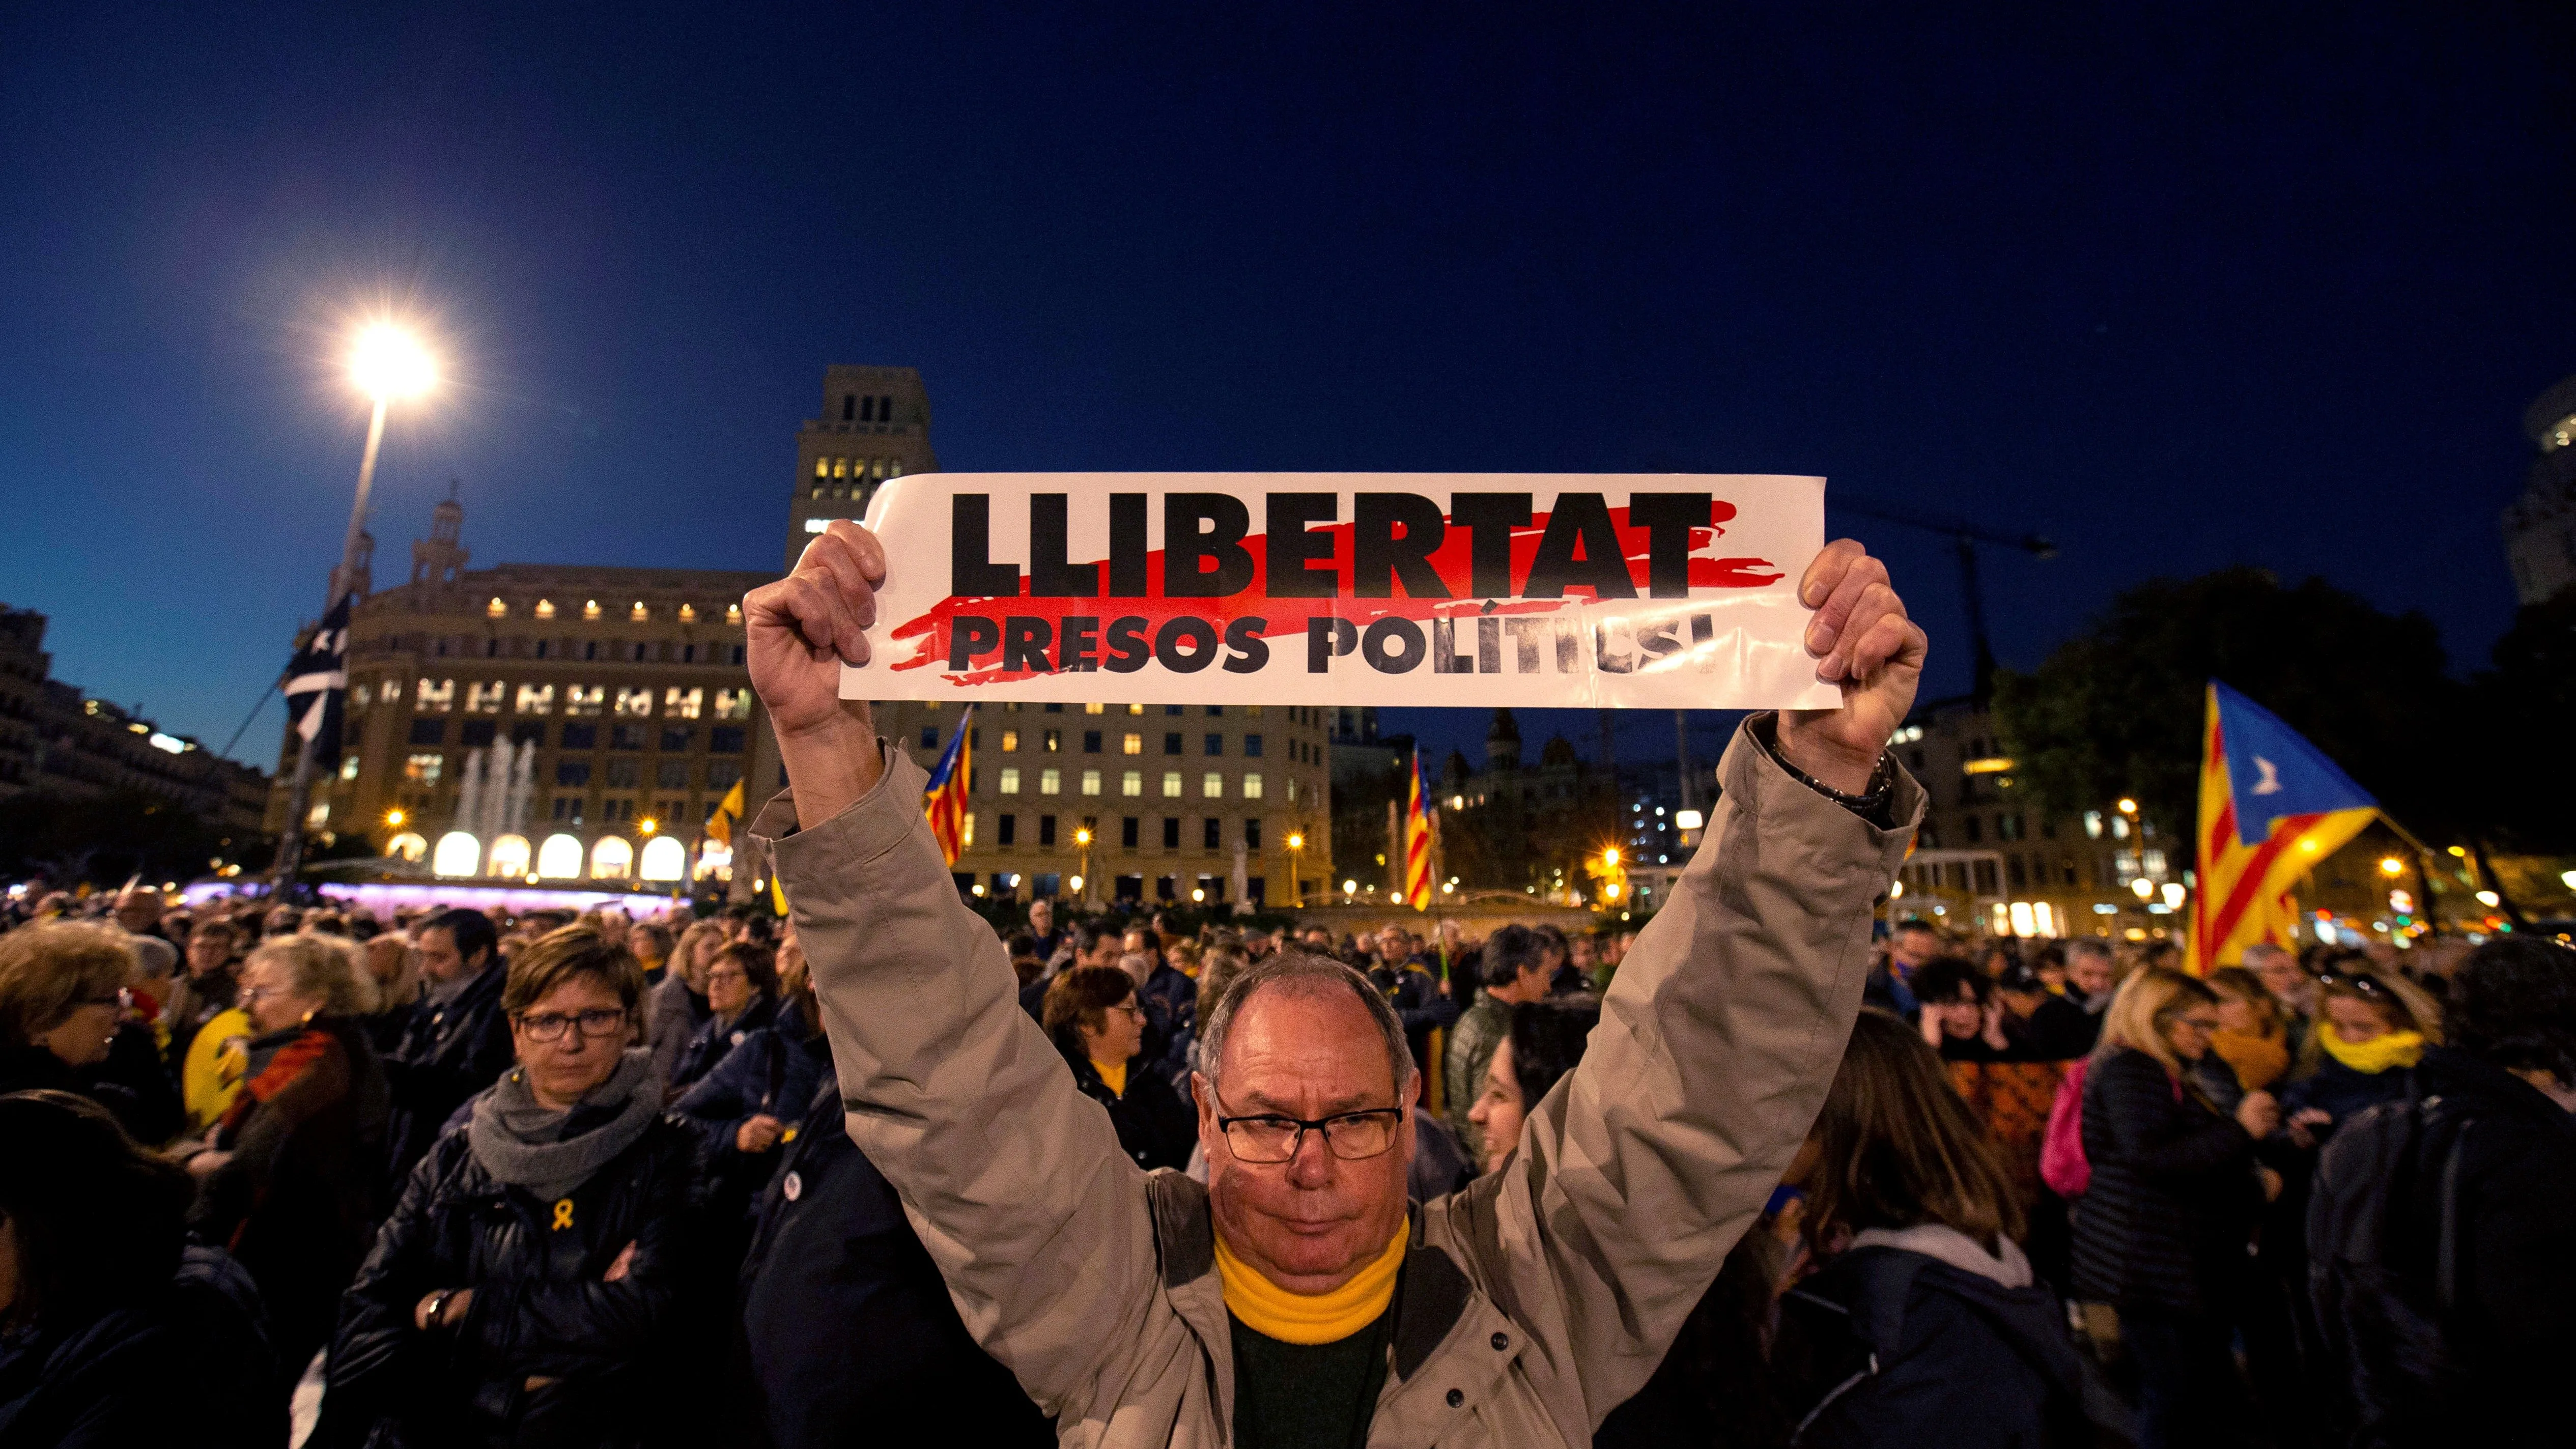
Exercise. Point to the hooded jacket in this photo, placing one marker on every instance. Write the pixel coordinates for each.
(1527, 1306)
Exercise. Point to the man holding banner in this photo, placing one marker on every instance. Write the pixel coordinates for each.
(1296, 1298)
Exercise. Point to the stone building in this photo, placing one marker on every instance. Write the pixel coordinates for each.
(539, 721)
(1181, 803)
(55, 740)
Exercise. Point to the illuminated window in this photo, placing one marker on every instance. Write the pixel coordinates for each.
(580, 700)
(1292, 789)
(560, 857)
(611, 858)
(358, 696)
(1050, 782)
(458, 854)
(497, 609)
(1091, 782)
(733, 613)
(1010, 780)
(423, 769)
(635, 703)
(590, 609)
(536, 699)
(665, 858)
(349, 767)
(485, 698)
(392, 691)
(435, 697)
(1094, 708)
(733, 704)
(1171, 784)
(1132, 782)
(1053, 744)
(1135, 709)
(688, 613)
(545, 608)
(678, 703)
(1010, 740)
(639, 613)
(1212, 786)
(509, 857)
(1132, 744)
(1251, 785)
(407, 846)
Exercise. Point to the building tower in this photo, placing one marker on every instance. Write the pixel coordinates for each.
(1503, 743)
(2540, 526)
(439, 560)
(874, 425)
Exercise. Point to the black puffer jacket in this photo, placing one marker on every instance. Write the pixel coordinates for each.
(446, 1054)
(1156, 1127)
(616, 1360)
(2173, 1198)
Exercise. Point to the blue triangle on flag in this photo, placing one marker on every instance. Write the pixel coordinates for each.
(2272, 771)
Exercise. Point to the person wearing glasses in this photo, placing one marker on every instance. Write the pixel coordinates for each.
(287, 1179)
(62, 998)
(1095, 1018)
(1298, 1298)
(742, 1001)
(2371, 1030)
(527, 1288)
(2162, 1229)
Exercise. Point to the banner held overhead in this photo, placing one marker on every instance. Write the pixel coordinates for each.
(1526, 590)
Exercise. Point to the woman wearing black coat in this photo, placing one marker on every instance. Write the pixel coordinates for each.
(287, 1180)
(742, 1000)
(1093, 1016)
(528, 1289)
(2161, 1232)
(1925, 1325)
(112, 1333)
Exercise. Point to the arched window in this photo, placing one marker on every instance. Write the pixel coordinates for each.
(611, 859)
(509, 857)
(459, 853)
(559, 858)
(665, 859)
(407, 846)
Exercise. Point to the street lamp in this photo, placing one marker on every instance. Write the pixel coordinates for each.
(386, 363)
(1082, 837)
(1297, 866)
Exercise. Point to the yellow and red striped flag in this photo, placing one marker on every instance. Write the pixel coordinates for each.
(2271, 806)
(1417, 842)
(945, 799)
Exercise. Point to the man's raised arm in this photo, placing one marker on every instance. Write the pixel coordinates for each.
(1014, 1180)
(1724, 1026)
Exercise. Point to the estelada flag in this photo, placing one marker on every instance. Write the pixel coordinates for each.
(1417, 842)
(2271, 806)
(728, 812)
(945, 800)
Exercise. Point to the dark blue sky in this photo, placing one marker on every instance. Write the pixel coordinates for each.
(2177, 285)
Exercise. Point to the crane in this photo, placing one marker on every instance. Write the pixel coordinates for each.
(1964, 538)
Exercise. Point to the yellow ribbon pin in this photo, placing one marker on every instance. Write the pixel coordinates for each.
(563, 1214)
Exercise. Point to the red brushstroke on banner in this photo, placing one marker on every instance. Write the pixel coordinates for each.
(928, 633)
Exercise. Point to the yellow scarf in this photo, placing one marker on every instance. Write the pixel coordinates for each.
(2396, 1049)
(1113, 1073)
(1274, 1312)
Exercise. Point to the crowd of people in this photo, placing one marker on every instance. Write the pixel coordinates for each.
(585, 1179)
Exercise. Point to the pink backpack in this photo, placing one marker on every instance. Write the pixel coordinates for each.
(2061, 1148)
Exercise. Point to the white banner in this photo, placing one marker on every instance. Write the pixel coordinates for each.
(1657, 591)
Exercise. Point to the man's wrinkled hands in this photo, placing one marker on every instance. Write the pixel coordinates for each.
(799, 631)
(1865, 645)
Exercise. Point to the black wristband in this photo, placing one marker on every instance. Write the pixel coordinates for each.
(1870, 804)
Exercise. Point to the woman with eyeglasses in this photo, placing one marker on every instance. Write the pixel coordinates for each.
(527, 1289)
(742, 1000)
(2162, 1229)
(1093, 1016)
(287, 1178)
(62, 998)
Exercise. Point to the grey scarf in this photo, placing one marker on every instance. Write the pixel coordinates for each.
(521, 1142)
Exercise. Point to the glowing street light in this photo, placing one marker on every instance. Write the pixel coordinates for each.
(2391, 866)
(386, 362)
(648, 825)
(2128, 806)
(1297, 866)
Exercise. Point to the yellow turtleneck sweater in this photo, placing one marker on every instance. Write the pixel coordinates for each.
(1311, 1318)
(1114, 1074)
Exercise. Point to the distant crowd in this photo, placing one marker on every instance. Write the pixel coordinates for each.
(559, 1178)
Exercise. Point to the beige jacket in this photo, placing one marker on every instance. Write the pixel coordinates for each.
(1532, 1304)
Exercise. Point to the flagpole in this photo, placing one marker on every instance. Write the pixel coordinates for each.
(344, 581)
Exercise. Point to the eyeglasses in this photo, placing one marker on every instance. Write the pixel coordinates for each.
(120, 1000)
(736, 975)
(1350, 1136)
(549, 1025)
(2366, 985)
(1131, 1008)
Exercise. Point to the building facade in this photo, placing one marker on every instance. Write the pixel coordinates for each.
(1187, 804)
(57, 741)
(2540, 526)
(539, 722)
